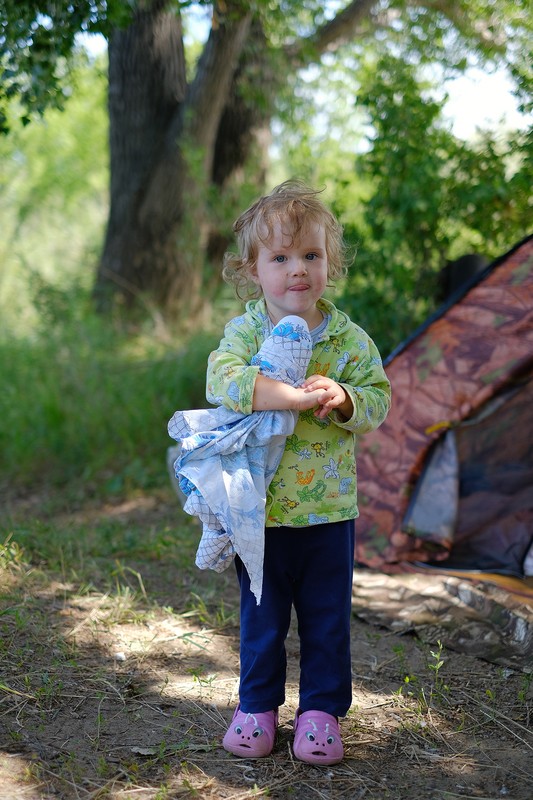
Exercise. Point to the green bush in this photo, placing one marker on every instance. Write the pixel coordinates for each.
(86, 402)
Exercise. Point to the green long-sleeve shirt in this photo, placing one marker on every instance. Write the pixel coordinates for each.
(316, 481)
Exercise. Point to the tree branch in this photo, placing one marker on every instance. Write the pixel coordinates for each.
(337, 31)
(209, 91)
(488, 30)
(343, 27)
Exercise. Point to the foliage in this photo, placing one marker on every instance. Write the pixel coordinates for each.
(274, 56)
(39, 38)
(37, 42)
(86, 401)
(403, 239)
(489, 189)
(433, 198)
(405, 161)
(53, 197)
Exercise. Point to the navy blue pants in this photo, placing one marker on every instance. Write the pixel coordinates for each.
(312, 569)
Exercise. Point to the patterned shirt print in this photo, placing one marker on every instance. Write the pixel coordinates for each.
(316, 481)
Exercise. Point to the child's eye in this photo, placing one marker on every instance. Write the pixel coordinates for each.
(279, 259)
(311, 256)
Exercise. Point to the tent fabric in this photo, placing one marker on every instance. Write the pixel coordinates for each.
(448, 478)
(491, 620)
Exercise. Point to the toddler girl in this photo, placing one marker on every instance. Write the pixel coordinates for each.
(290, 249)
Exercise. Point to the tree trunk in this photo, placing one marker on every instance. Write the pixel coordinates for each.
(243, 135)
(146, 88)
(162, 143)
(174, 148)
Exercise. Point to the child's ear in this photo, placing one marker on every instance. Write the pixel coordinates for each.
(253, 274)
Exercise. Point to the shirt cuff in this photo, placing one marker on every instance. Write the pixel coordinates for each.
(338, 418)
(246, 389)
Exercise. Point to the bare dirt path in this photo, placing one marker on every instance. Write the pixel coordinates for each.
(127, 693)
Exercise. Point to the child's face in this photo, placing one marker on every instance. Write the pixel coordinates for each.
(293, 273)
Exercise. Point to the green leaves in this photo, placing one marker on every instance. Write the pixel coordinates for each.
(37, 43)
(433, 198)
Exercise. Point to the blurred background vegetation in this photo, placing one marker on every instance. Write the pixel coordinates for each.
(86, 394)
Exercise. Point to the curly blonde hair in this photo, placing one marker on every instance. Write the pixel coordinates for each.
(295, 204)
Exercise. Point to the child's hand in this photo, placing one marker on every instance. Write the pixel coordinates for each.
(329, 395)
(317, 392)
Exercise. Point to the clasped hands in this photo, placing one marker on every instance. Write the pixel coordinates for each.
(326, 395)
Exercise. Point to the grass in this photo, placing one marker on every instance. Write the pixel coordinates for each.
(85, 401)
(78, 548)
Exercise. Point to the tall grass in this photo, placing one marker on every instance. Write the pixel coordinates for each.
(85, 402)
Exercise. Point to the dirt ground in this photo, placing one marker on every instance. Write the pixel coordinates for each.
(102, 697)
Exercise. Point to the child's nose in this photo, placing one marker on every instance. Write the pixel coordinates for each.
(299, 267)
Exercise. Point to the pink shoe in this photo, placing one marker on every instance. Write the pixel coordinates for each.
(317, 738)
(251, 735)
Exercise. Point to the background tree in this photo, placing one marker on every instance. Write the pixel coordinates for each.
(433, 197)
(53, 199)
(181, 143)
